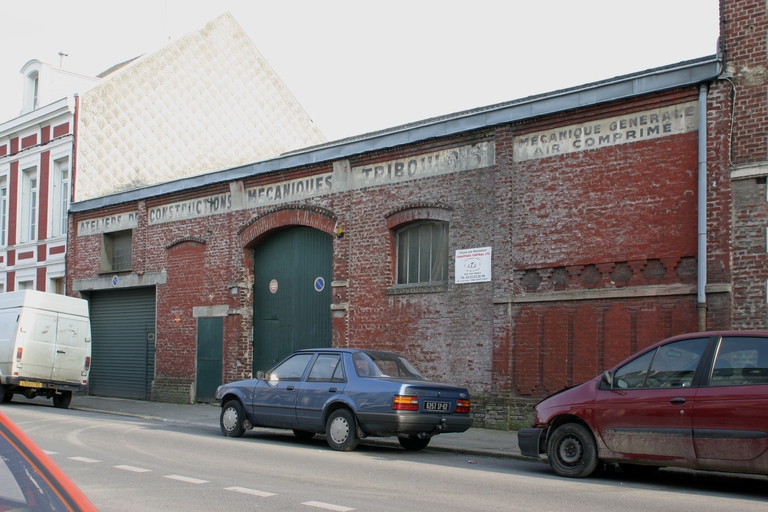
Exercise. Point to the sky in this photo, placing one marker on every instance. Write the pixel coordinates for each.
(361, 66)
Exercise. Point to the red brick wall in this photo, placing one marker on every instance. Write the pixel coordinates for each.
(623, 215)
(744, 26)
(600, 220)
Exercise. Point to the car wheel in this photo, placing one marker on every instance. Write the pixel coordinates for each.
(572, 451)
(341, 431)
(638, 469)
(62, 400)
(303, 434)
(413, 443)
(231, 419)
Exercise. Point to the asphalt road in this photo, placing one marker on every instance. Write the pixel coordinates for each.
(125, 463)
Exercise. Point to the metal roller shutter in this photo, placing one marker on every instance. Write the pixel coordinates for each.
(123, 352)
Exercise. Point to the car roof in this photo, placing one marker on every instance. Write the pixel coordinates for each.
(346, 350)
(690, 335)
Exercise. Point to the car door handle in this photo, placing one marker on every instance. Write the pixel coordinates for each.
(679, 400)
(290, 388)
(331, 390)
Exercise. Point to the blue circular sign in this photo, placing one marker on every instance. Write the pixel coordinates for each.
(114, 280)
(319, 284)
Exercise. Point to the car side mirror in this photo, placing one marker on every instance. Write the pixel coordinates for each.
(261, 375)
(607, 379)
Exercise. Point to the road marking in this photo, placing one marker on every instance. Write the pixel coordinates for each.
(254, 492)
(327, 506)
(133, 468)
(186, 479)
(48, 452)
(83, 459)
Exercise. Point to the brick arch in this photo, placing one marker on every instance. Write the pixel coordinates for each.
(187, 241)
(421, 211)
(286, 216)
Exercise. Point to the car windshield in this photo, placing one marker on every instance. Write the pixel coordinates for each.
(385, 365)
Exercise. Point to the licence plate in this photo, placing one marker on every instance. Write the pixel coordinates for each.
(30, 384)
(435, 406)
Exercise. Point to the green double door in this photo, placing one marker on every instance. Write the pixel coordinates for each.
(291, 295)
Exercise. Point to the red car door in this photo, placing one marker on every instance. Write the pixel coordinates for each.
(730, 418)
(649, 410)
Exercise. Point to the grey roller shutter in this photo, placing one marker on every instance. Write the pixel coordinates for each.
(123, 352)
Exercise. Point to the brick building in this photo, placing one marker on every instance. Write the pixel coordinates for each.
(516, 248)
(35, 177)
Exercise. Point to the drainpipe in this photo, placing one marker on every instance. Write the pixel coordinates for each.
(702, 211)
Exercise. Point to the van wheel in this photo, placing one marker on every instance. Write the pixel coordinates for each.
(62, 400)
(572, 451)
(5, 395)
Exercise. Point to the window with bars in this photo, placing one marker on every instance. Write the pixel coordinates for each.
(422, 253)
(116, 251)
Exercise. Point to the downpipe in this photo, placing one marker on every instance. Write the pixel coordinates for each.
(701, 305)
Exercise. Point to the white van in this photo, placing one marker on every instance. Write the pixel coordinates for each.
(45, 346)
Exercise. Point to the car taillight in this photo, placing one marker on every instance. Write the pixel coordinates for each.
(406, 403)
(18, 354)
(87, 362)
(462, 406)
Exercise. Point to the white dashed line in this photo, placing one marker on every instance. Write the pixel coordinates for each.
(133, 468)
(254, 492)
(186, 479)
(48, 452)
(327, 506)
(83, 459)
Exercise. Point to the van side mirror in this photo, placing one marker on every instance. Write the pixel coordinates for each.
(607, 379)
(261, 375)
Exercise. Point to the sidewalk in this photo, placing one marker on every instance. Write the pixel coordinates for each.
(475, 441)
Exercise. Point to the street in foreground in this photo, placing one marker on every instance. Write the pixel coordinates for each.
(124, 463)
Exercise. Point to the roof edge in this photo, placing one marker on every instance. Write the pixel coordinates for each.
(673, 76)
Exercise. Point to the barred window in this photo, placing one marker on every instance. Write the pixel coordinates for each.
(422, 253)
(116, 251)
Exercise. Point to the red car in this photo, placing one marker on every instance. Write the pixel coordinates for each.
(30, 480)
(697, 401)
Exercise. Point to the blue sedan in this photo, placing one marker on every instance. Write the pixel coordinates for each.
(346, 394)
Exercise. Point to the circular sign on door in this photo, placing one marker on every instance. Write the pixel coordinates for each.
(273, 286)
(319, 284)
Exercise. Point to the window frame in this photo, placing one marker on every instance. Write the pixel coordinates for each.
(30, 197)
(108, 242)
(4, 201)
(60, 196)
(424, 264)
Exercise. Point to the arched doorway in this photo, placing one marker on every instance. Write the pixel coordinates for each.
(291, 294)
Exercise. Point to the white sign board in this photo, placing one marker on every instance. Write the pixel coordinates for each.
(473, 265)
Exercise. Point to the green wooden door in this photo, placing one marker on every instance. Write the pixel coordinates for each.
(292, 295)
(209, 342)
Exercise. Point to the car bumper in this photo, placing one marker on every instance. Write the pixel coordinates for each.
(529, 439)
(395, 423)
